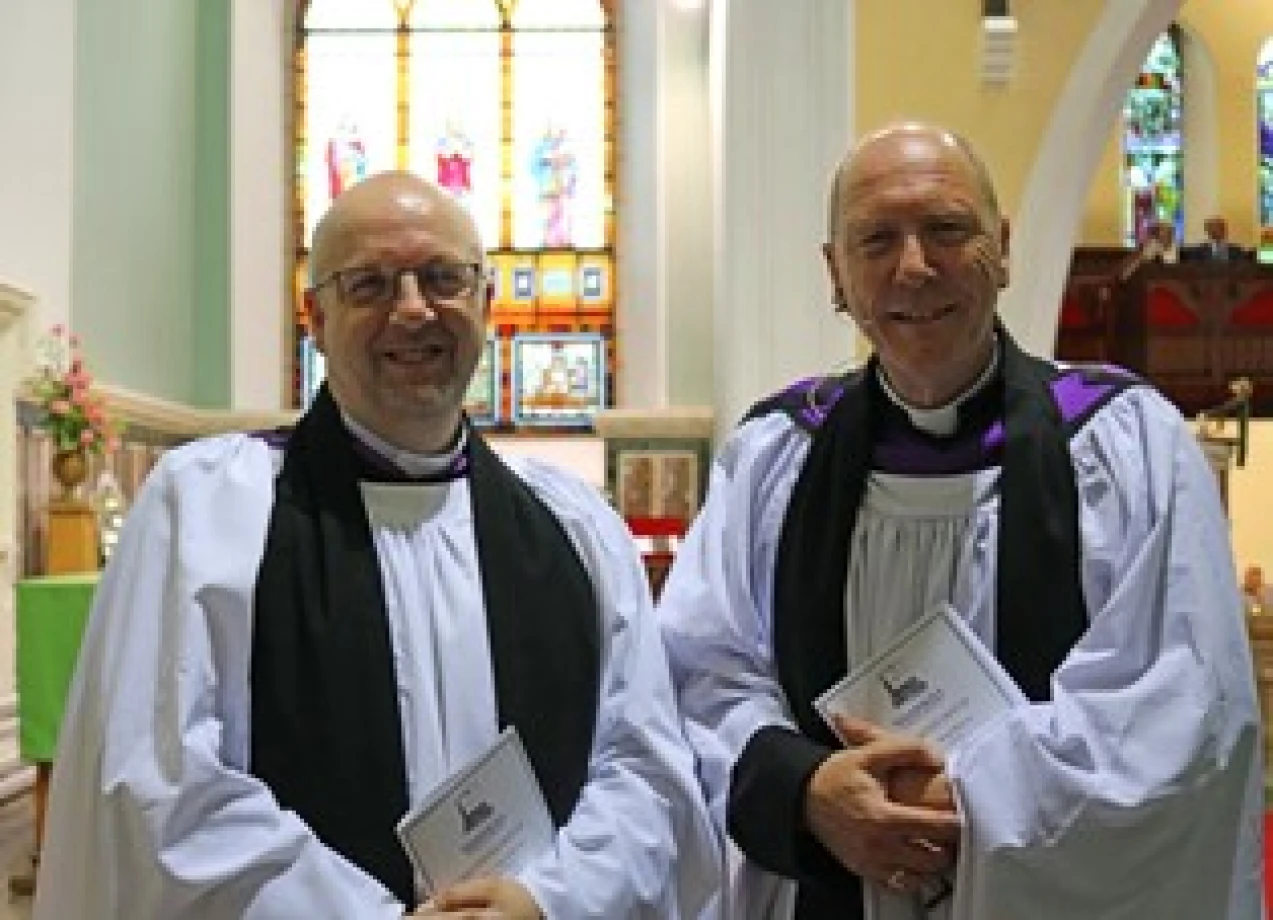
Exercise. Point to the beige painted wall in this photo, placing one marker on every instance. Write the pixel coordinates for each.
(1227, 35)
(1251, 501)
(921, 59)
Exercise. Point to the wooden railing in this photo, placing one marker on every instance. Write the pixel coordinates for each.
(151, 426)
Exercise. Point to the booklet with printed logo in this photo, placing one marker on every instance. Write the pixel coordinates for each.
(488, 819)
(935, 680)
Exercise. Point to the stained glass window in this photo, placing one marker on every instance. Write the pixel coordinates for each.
(507, 104)
(1153, 179)
(1264, 134)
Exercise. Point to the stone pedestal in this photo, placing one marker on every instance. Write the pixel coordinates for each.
(73, 538)
(657, 463)
(656, 446)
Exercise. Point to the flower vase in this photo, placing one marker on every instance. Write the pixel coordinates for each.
(70, 469)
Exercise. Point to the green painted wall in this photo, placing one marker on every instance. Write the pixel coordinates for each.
(211, 385)
(149, 260)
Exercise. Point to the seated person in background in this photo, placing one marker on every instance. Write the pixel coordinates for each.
(1158, 246)
(1217, 247)
(302, 633)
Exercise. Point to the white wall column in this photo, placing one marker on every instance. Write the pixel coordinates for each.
(1202, 160)
(259, 190)
(16, 362)
(37, 92)
(782, 89)
(641, 380)
(1046, 224)
(664, 202)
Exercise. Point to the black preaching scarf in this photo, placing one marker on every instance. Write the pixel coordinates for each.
(326, 729)
(1040, 612)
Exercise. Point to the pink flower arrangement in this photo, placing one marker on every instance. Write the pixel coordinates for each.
(74, 416)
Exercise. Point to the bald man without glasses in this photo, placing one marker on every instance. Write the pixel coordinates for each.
(1065, 513)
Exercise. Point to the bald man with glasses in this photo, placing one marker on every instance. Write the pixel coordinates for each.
(303, 633)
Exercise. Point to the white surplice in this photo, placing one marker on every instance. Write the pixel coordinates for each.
(153, 811)
(1136, 794)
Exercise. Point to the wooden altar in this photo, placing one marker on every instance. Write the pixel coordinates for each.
(1190, 329)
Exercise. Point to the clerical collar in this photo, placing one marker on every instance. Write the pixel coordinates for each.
(942, 421)
(386, 462)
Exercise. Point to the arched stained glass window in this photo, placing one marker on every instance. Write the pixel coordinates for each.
(1264, 135)
(1153, 179)
(509, 105)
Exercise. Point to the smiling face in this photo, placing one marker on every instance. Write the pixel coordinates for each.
(917, 253)
(399, 368)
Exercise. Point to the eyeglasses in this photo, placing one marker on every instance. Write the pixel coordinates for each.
(372, 286)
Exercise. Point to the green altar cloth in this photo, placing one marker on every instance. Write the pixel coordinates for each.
(51, 613)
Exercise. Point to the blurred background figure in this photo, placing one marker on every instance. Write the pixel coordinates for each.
(1257, 597)
(1216, 247)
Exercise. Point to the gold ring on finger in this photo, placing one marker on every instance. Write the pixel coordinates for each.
(926, 845)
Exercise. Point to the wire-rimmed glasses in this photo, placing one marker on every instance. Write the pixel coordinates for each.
(439, 282)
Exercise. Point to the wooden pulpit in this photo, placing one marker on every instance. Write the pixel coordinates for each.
(1189, 329)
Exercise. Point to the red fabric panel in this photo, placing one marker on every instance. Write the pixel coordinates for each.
(1268, 860)
(1073, 314)
(1258, 311)
(1165, 308)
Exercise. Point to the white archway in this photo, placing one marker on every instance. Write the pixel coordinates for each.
(1046, 223)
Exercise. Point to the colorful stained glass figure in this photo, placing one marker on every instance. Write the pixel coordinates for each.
(454, 162)
(349, 117)
(1153, 144)
(559, 197)
(345, 158)
(1264, 138)
(556, 172)
(454, 102)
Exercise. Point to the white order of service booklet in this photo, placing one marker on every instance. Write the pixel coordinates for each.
(489, 818)
(935, 680)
